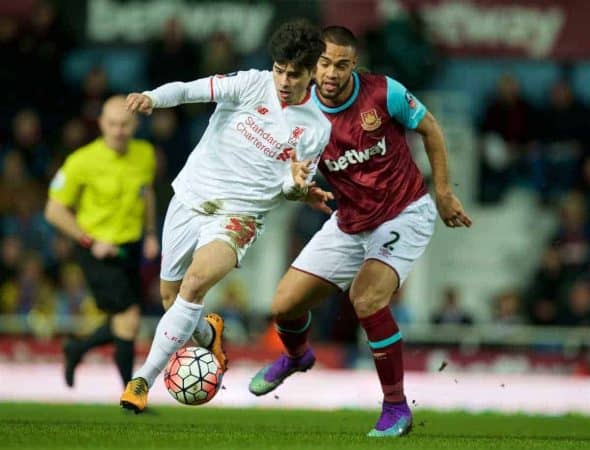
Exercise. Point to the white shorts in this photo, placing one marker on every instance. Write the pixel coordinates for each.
(337, 256)
(187, 230)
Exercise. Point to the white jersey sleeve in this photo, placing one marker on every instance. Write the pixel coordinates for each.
(230, 88)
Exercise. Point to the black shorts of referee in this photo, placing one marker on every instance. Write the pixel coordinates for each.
(114, 281)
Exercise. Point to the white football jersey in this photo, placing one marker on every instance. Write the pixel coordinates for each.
(242, 160)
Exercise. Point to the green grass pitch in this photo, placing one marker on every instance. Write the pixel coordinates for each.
(42, 426)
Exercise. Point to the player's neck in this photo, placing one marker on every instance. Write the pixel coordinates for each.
(304, 97)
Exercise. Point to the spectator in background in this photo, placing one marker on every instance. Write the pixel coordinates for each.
(219, 55)
(172, 56)
(545, 289)
(233, 306)
(15, 183)
(37, 297)
(43, 45)
(506, 132)
(571, 240)
(73, 135)
(71, 294)
(29, 290)
(152, 305)
(402, 48)
(576, 311)
(170, 139)
(583, 184)
(11, 255)
(61, 254)
(399, 309)
(451, 311)
(563, 133)
(27, 140)
(12, 70)
(565, 118)
(95, 90)
(507, 309)
(27, 221)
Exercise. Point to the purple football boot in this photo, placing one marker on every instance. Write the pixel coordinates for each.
(269, 377)
(395, 420)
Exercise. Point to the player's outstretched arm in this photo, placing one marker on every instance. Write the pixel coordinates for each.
(449, 207)
(170, 94)
(202, 90)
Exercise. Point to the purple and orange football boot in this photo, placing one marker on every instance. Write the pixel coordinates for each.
(395, 420)
(268, 378)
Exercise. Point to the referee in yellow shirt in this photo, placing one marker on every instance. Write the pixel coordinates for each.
(103, 198)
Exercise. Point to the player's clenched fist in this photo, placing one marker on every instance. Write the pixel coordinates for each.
(140, 103)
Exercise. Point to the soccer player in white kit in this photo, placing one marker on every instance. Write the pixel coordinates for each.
(263, 143)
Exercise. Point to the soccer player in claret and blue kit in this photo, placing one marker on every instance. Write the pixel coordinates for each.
(384, 221)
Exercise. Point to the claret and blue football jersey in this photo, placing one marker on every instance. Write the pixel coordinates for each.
(368, 161)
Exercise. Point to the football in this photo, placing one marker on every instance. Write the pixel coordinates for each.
(193, 376)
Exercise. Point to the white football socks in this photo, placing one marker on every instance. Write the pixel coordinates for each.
(175, 327)
(203, 334)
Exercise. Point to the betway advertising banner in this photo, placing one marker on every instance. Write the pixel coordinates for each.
(525, 28)
(138, 21)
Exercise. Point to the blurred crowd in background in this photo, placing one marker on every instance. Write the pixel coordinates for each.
(44, 116)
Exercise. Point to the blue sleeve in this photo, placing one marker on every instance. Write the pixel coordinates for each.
(403, 106)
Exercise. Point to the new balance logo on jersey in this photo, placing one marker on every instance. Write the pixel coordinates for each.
(356, 157)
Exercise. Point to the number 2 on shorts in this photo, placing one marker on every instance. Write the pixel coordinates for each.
(389, 244)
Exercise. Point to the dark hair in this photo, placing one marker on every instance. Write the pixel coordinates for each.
(297, 42)
(340, 36)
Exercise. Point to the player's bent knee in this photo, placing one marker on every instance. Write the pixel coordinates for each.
(279, 312)
(283, 308)
(365, 306)
(193, 288)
